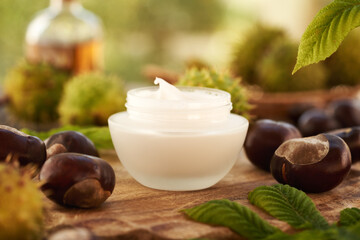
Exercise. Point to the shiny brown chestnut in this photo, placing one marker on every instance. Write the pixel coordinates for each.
(27, 150)
(316, 121)
(312, 164)
(264, 137)
(296, 110)
(352, 138)
(70, 141)
(346, 111)
(77, 180)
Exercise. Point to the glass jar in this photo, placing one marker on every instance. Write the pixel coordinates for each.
(178, 143)
(66, 36)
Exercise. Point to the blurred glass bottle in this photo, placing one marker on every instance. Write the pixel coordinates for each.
(66, 36)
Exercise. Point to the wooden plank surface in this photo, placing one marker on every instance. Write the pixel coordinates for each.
(136, 212)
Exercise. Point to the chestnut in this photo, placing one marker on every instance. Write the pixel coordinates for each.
(346, 111)
(264, 137)
(352, 138)
(27, 150)
(296, 110)
(312, 164)
(70, 141)
(77, 180)
(315, 121)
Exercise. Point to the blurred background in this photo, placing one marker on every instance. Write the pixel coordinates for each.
(165, 33)
(247, 48)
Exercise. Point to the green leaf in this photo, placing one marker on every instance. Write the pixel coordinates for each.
(328, 29)
(238, 218)
(353, 231)
(332, 233)
(349, 216)
(99, 135)
(288, 204)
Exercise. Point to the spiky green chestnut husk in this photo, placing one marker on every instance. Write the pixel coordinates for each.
(34, 91)
(21, 206)
(210, 78)
(274, 71)
(344, 64)
(89, 99)
(251, 49)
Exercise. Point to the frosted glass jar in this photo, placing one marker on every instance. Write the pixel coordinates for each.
(178, 139)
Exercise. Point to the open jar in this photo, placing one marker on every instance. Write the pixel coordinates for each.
(178, 138)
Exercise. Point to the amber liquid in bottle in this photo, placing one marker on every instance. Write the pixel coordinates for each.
(71, 40)
(78, 58)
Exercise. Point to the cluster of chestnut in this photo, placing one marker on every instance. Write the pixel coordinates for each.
(321, 159)
(312, 120)
(71, 172)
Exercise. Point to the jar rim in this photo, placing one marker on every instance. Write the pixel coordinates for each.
(222, 99)
(192, 105)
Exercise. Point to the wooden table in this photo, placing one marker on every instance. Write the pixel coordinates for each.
(136, 212)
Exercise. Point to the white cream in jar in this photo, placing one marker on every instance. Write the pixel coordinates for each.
(178, 138)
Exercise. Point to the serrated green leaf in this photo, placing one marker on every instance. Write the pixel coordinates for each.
(100, 136)
(328, 29)
(349, 216)
(353, 231)
(288, 204)
(238, 218)
(312, 234)
(332, 233)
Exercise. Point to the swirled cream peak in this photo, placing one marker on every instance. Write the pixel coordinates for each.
(167, 91)
(168, 97)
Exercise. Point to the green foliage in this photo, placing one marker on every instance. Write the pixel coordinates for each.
(89, 99)
(15, 15)
(288, 204)
(333, 233)
(352, 231)
(177, 16)
(21, 206)
(238, 218)
(249, 51)
(349, 216)
(328, 29)
(100, 136)
(223, 81)
(34, 91)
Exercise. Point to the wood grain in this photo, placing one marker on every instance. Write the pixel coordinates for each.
(136, 212)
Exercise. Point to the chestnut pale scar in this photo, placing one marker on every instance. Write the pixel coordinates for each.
(304, 151)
